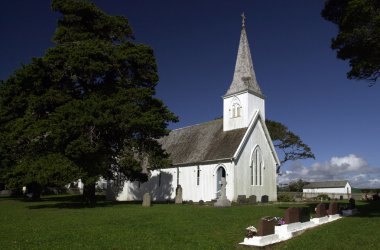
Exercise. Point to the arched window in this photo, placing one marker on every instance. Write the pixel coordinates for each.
(257, 167)
(235, 108)
(198, 175)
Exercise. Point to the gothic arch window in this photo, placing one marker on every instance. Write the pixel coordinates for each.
(235, 108)
(257, 167)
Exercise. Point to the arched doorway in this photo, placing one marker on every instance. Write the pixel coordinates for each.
(220, 173)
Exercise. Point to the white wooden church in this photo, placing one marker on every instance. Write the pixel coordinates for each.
(237, 147)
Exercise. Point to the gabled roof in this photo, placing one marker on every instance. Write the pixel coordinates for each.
(326, 184)
(244, 76)
(258, 118)
(202, 142)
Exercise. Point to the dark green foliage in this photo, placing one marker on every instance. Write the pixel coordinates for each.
(297, 186)
(285, 198)
(358, 39)
(286, 141)
(86, 109)
(323, 197)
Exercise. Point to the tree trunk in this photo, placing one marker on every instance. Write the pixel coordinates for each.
(89, 197)
(35, 189)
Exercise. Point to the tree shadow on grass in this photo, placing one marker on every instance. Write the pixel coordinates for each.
(76, 203)
(369, 209)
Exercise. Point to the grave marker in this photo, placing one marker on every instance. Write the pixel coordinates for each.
(264, 198)
(241, 199)
(292, 215)
(147, 200)
(333, 208)
(321, 210)
(305, 214)
(178, 195)
(351, 203)
(252, 199)
(266, 226)
(222, 201)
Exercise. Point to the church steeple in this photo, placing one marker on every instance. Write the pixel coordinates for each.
(244, 76)
(244, 97)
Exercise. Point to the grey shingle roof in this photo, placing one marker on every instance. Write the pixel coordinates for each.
(202, 142)
(326, 184)
(244, 76)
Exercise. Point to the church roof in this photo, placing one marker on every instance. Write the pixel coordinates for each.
(244, 76)
(326, 184)
(201, 143)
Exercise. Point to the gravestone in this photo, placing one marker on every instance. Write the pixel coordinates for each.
(266, 226)
(147, 200)
(326, 206)
(252, 199)
(201, 202)
(264, 198)
(351, 204)
(333, 208)
(241, 199)
(178, 195)
(292, 215)
(320, 210)
(305, 214)
(222, 201)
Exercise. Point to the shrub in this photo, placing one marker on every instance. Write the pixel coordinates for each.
(323, 197)
(285, 198)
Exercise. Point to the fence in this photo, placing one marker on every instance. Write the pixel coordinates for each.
(308, 196)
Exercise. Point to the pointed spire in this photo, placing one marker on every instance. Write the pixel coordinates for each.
(244, 76)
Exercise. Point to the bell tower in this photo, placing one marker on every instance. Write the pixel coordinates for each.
(244, 95)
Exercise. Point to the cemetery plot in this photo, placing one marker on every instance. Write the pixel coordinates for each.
(296, 221)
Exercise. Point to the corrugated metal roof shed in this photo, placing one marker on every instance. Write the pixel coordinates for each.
(326, 184)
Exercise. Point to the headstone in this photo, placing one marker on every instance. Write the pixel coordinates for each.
(252, 199)
(333, 208)
(241, 199)
(147, 200)
(264, 198)
(305, 214)
(351, 203)
(222, 201)
(266, 226)
(292, 215)
(190, 202)
(320, 210)
(375, 197)
(201, 202)
(326, 206)
(178, 195)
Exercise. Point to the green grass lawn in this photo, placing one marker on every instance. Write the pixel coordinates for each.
(62, 223)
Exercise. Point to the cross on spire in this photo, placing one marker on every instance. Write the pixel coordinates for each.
(244, 76)
(243, 19)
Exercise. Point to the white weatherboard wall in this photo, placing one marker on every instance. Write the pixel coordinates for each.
(249, 104)
(164, 189)
(243, 171)
(341, 190)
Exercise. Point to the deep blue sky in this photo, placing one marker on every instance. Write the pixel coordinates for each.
(196, 42)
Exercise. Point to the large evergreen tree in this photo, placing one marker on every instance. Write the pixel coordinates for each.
(358, 39)
(86, 109)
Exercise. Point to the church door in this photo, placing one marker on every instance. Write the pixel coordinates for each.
(221, 172)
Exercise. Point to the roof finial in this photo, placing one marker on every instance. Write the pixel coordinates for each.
(243, 19)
